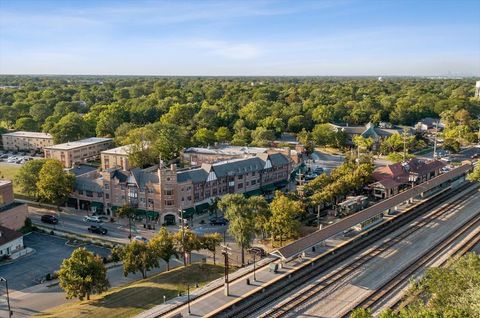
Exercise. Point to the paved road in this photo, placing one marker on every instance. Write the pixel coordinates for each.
(49, 253)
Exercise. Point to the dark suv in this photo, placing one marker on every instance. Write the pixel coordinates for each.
(97, 230)
(218, 221)
(47, 218)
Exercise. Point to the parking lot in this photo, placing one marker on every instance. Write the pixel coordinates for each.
(50, 251)
(17, 157)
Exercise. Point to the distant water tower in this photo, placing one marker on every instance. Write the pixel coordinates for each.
(477, 89)
(380, 79)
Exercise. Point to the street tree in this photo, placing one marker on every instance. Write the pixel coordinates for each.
(138, 257)
(283, 222)
(83, 274)
(163, 246)
(27, 176)
(70, 127)
(187, 242)
(54, 184)
(241, 225)
(210, 242)
(261, 214)
(475, 174)
(129, 212)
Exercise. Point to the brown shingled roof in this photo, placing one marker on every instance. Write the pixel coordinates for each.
(8, 235)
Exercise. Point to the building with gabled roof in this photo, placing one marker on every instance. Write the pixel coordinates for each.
(160, 192)
(391, 179)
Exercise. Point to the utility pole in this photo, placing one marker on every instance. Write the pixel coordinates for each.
(226, 252)
(183, 238)
(318, 216)
(10, 313)
(435, 140)
(188, 299)
(254, 276)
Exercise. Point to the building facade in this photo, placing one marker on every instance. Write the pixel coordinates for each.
(10, 241)
(115, 158)
(12, 214)
(26, 141)
(79, 151)
(391, 179)
(160, 193)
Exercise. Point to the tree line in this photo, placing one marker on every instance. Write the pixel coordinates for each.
(241, 111)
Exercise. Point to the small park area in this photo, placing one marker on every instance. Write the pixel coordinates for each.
(131, 299)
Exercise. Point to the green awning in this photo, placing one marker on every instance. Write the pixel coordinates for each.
(98, 205)
(140, 212)
(268, 187)
(281, 184)
(152, 214)
(253, 193)
(188, 213)
(202, 207)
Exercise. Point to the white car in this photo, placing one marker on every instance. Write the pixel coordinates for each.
(92, 218)
(140, 238)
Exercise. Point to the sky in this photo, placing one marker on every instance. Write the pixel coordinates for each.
(244, 38)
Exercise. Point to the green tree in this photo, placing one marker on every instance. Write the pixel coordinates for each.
(306, 139)
(138, 257)
(28, 176)
(26, 123)
(241, 225)
(284, 220)
(71, 127)
(475, 174)
(110, 119)
(261, 214)
(361, 313)
(187, 242)
(83, 274)
(204, 137)
(210, 242)
(163, 246)
(54, 184)
(223, 134)
(127, 211)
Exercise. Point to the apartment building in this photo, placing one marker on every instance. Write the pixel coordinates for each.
(115, 158)
(161, 192)
(12, 214)
(26, 141)
(79, 151)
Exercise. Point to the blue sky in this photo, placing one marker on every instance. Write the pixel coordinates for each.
(337, 37)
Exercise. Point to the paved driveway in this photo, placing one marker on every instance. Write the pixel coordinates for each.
(50, 252)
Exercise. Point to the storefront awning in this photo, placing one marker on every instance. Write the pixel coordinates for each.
(268, 188)
(188, 213)
(201, 208)
(253, 193)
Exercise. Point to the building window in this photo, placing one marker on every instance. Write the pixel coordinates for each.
(168, 202)
(168, 192)
(254, 182)
(106, 186)
(240, 185)
(107, 196)
(80, 192)
(240, 177)
(99, 194)
(89, 193)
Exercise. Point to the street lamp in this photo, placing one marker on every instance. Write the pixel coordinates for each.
(254, 277)
(3, 279)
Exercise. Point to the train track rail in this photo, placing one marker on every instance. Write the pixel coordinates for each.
(372, 300)
(337, 276)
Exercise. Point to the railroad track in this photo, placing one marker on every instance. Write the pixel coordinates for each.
(372, 300)
(462, 250)
(335, 277)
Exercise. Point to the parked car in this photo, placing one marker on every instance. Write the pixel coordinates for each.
(102, 217)
(4, 156)
(318, 170)
(97, 230)
(140, 238)
(257, 251)
(474, 156)
(218, 221)
(92, 218)
(47, 218)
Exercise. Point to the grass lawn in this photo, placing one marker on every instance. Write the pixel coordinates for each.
(8, 171)
(131, 299)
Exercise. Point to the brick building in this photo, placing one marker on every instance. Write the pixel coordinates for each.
(12, 214)
(115, 158)
(70, 153)
(391, 179)
(26, 140)
(162, 192)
